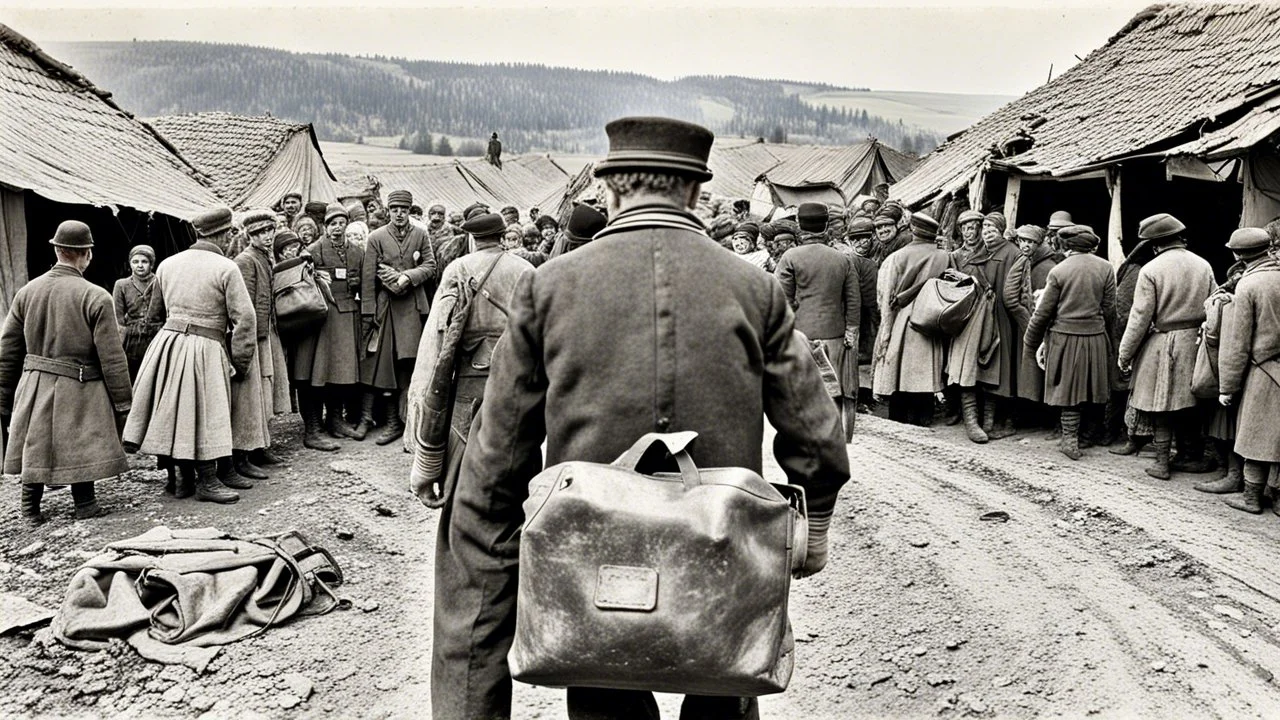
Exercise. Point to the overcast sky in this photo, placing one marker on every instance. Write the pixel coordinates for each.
(968, 46)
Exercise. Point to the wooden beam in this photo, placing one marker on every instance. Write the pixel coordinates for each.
(1011, 194)
(1115, 225)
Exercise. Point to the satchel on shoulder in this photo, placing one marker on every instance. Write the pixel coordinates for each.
(670, 582)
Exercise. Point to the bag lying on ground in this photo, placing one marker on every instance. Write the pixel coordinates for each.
(175, 595)
(671, 582)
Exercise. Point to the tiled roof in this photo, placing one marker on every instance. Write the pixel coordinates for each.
(236, 151)
(1171, 71)
(63, 138)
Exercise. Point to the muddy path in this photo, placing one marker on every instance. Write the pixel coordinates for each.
(1106, 593)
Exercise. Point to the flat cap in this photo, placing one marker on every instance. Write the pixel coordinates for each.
(257, 217)
(1249, 238)
(861, 227)
(400, 198)
(657, 144)
(585, 222)
(969, 216)
(292, 194)
(485, 225)
(812, 217)
(1080, 238)
(212, 222)
(1159, 226)
(72, 234)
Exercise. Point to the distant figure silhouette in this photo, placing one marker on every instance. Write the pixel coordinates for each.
(494, 153)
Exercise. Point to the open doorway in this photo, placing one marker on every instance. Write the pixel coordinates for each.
(1210, 210)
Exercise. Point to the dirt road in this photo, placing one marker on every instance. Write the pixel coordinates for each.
(1106, 593)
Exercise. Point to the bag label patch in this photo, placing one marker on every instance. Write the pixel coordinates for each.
(620, 587)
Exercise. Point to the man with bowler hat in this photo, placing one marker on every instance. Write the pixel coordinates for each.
(397, 274)
(651, 327)
(61, 363)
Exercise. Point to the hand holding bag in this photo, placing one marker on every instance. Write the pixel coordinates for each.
(944, 305)
(664, 582)
(300, 305)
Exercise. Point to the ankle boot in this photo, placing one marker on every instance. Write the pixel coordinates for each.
(361, 431)
(225, 470)
(1069, 445)
(1191, 456)
(969, 411)
(186, 480)
(246, 468)
(994, 430)
(86, 501)
(31, 495)
(312, 438)
(171, 482)
(335, 424)
(1232, 482)
(265, 456)
(394, 428)
(1133, 444)
(1255, 479)
(209, 488)
(1162, 442)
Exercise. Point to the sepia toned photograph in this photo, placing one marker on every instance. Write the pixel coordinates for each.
(581, 359)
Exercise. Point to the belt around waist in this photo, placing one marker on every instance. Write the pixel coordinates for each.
(1188, 325)
(190, 328)
(65, 368)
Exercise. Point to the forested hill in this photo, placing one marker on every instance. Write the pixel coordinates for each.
(533, 107)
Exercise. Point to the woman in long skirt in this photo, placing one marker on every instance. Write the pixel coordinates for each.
(1076, 321)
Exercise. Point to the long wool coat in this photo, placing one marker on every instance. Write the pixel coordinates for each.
(400, 316)
(62, 430)
(677, 335)
(905, 359)
(1249, 361)
(998, 375)
(1078, 315)
(1160, 337)
(1027, 275)
(182, 398)
(253, 398)
(821, 285)
(332, 355)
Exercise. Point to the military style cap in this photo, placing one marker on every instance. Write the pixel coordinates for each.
(656, 144)
(969, 216)
(401, 198)
(861, 227)
(1060, 219)
(1249, 238)
(72, 234)
(585, 223)
(812, 217)
(924, 226)
(1080, 238)
(885, 219)
(485, 225)
(212, 222)
(1159, 226)
(335, 210)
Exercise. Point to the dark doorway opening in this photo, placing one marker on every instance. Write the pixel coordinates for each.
(1087, 200)
(1210, 210)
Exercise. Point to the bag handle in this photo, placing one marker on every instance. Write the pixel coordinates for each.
(677, 446)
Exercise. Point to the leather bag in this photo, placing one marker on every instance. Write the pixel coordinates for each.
(944, 305)
(300, 304)
(669, 582)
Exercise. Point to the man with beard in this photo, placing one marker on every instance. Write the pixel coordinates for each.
(398, 269)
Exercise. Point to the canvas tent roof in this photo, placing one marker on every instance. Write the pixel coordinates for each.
(852, 169)
(1173, 72)
(65, 139)
(522, 183)
(251, 160)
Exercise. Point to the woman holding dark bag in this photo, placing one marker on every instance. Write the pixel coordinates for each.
(139, 306)
(1076, 320)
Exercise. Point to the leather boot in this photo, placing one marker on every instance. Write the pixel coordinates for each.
(312, 439)
(1191, 456)
(334, 423)
(225, 469)
(394, 429)
(1069, 445)
(1000, 430)
(86, 501)
(171, 482)
(366, 417)
(209, 488)
(969, 411)
(186, 484)
(31, 495)
(1133, 444)
(1162, 442)
(1255, 479)
(1232, 482)
(247, 469)
(265, 456)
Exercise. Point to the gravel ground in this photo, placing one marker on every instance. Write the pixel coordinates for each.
(1106, 593)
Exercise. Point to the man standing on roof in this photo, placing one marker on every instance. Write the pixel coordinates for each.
(64, 380)
(493, 153)
(398, 271)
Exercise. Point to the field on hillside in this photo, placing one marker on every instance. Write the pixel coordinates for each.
(945, 113)
(350, 159)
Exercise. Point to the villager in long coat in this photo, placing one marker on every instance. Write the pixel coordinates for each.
(483, 326)
(139, 306)
(1136, 423)
(983, 358)
(821, 286)
(447, 243)
(253, 400)
(1219, 309)
(1159, 342)
(1076, 320)
(861, 240)
(182, 398)
(1249, 363)
(398, 268)
(908, 365)
(64, 380)
(1027, 276)
(612, 341)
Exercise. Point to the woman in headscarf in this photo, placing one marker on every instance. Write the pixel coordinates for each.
(983, 358)
(307, 229)
(744, 245)
(1076, 320)
(1222, 422)
(1027, 276)
(139, 306)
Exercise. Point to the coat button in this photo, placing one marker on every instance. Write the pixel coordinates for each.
(664, 423)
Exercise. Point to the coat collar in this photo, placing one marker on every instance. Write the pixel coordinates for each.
(643, 217)
(60, 270)
(207, 247)
(1040, 254)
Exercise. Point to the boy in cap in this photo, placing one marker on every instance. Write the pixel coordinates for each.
(396, 280)
(674, 334)
(139, 307)
(61, 362)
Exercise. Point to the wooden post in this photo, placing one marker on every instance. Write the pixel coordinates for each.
(1011, 193)
(1115, 227)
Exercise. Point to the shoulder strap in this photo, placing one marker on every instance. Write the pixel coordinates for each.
(479, 287)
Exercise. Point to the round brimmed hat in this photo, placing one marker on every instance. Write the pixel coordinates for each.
(285, 238)
(72, 234)
(1080, 238)
(812, 217)
(969, 216)
(585, 223)
(656, 144)
(335, 210)
(861, 227)
(399, 198)
(212, 222)
(1159, 226)
(1060, 219)
(924, 226)
(485, 225)
(1249, 238)
(257, 218)
(145, 251)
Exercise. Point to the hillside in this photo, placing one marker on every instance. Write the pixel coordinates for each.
(533, 107)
